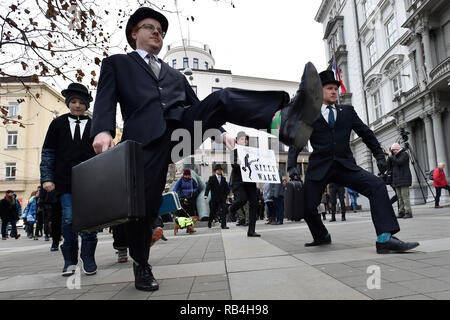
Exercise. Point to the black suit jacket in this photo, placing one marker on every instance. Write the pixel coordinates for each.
(145, 101)
(219, 192)
(334, 144)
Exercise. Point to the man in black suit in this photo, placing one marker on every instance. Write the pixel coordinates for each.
(219, 188)
(243, 191)
(156, 100)
(332, 161)
(337, 191)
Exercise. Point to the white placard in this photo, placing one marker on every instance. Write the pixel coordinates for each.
(257, 165)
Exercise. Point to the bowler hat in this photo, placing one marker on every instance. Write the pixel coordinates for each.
(139, 15)
(77, 90)
(327, 77)
(218, 167)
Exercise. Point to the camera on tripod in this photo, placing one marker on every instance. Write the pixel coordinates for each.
(404, 134)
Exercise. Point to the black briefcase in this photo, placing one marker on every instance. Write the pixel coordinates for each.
(294, 201)
(108, 189)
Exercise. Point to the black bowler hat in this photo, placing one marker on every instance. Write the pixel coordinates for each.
(139, 15)
(327, 77)
(77, 90)
(218, 167)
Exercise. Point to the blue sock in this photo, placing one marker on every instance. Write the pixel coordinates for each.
(384, 237)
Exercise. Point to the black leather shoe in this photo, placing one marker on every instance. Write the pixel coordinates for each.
(315, 243)
(298, 116)
(395, 245)
(400, 215)
(144, 279)
(253, 234)
(225, 228)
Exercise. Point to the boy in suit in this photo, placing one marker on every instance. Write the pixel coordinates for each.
(66, 145)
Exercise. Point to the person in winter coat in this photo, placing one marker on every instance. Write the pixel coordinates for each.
(353, 197)
(29, 214)
(401, 179)
(9, 214)
(278, 201)
(439, 182)
(268, 195)
(187, 189)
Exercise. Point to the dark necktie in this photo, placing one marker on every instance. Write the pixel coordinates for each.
(331, 119)
(77, 135)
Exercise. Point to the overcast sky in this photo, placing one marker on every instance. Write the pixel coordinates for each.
(261, 38)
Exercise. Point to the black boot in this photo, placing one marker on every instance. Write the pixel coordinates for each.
(87, 256)
(333, 217)
(70, 254)
(343, 217)
(297, 117)
(143, 278)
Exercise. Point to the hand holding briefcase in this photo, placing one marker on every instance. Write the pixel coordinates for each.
(108, 189)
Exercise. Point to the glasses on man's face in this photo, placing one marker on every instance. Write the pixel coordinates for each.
(152, 29)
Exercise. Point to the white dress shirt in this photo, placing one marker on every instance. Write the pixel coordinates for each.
(219, 178)
(72, 123)
(145, 55)
(326, 112)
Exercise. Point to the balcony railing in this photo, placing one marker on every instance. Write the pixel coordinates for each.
(411, 93)
(441, 70)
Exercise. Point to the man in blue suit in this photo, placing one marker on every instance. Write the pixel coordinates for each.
(332, 161)
(155, 100)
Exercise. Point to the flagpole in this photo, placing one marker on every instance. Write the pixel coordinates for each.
(334, 68)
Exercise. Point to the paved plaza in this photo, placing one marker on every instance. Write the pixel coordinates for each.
(227, 265)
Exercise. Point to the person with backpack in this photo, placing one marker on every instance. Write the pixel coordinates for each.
(439, 182)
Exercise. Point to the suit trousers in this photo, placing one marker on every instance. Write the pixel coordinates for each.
(363, 182)
(334, 194)
(253, 109)
(243, 193)
(218, 207)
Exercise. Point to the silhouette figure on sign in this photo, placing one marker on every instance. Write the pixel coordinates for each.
(247, 165)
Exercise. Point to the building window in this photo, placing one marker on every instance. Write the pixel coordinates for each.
(282, 168)
(10, 171)
(13, 109)
(372, 52)
(195, 63)
(11, 141)
(276, 145)
(185, 63)
(254, 142)
(174, 63)
(397, 85)
(214, 89)
(377, 105)
(194, 88)
(391, 31)
(206, 65)
(369, 6)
